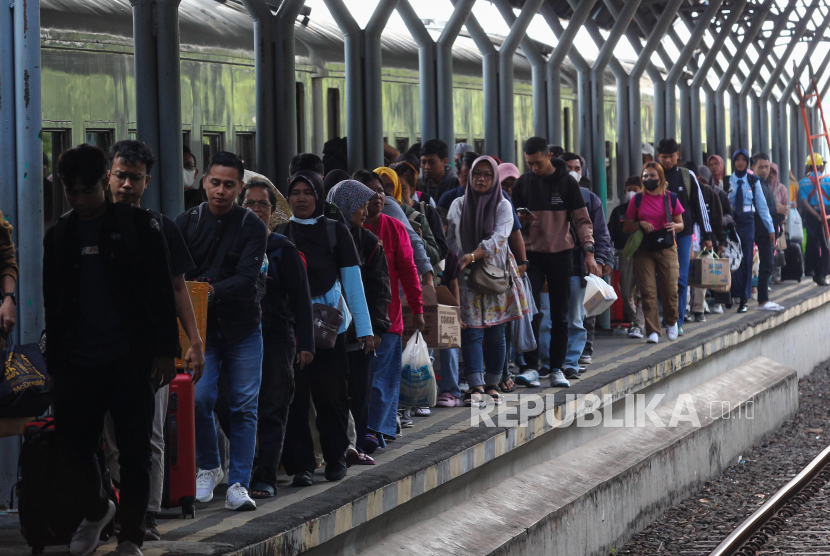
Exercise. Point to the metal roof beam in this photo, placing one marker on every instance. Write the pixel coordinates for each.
(443, 51)
(489, 69)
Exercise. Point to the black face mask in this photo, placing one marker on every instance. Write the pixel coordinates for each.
(651, 185)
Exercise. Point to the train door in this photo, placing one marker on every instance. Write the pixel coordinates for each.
(212, 143)
(100, 138)
(246, 149)
(55, 141)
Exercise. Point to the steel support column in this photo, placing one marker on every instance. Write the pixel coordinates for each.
(27, 82)
(170, 109)
(680, 64)
(699, 79)
(265, 87)
(711, 121)
(8, 148)
(373, 87)
(285, 86)
(446, 116)
(490, 65)
(426, 70)
(565, 38)
(537, 63)
(508, 48)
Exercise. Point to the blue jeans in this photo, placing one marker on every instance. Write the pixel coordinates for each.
(242, 364)
(386, 386)
(577, 335)
(684, 252)
(483, 363)
(544, 331)
(449, 372)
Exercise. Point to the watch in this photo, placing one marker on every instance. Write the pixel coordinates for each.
(590, 249)
(12, 295)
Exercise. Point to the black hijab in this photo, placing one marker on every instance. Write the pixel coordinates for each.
(316, 183)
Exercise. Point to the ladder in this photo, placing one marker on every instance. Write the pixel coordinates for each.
(803, 99)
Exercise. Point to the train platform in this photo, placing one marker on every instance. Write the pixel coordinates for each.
(444, 446)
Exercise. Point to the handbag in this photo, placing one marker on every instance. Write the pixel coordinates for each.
(488, 279)
(327, 322)
(23, 390)
(661, 239)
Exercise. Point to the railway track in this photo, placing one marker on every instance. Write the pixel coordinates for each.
(755, 534)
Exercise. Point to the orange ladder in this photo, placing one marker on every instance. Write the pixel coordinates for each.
(803, 98)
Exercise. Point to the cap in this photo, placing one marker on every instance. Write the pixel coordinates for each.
(819, 160)
(508, 170)
(461, 148)
(648, 149)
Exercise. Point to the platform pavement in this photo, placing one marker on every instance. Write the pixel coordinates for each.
(439, 448)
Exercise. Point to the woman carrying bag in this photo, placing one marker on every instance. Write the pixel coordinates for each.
(654, 218)
(480, 223)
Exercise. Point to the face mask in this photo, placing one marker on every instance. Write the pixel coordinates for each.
(630, 195)
(577, 176)
(651, 185)
(189, 176)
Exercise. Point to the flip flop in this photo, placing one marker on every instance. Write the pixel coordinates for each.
(504, 388)
(263, 487)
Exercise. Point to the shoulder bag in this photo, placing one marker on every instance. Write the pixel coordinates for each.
(488, 279)
(661, 239)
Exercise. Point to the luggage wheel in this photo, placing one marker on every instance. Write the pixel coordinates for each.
(189, 511)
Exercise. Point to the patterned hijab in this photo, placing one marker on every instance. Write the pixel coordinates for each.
(349, 195)
(718, 174)
(478, 211)
(393, 176)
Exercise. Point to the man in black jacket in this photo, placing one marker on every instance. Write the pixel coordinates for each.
(111, 324)
(227, 243)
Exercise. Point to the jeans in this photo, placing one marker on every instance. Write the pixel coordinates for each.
(483, 350)
(449, 372)
(684, 252)
(83, 395)
(241, 362)
(765, 257)
(576, 330)
(742, 278)
(386, 386)
(556, 268)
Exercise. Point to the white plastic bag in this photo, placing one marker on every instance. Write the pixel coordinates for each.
(523, 339)
(795, 230)
(418, 387)
(599, 296)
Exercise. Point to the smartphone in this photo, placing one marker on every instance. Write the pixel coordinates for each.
(524, 211)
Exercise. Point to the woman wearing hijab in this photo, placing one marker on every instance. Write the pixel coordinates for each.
(334, 280)
(480, 223)
(782, 195)
(352, 197)
(746, 196)
(383, 406)
(408, 180)
(718, 170)
(333, 178)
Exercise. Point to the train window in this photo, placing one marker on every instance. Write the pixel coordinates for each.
(300, 100)
(402, 144)
(566, 133)
(131, 135)
(478, 145)
(186, 138)
(333, 112)
(212, 143)
(55, 141)
(460, 140)
(246, 149)
(99, 138)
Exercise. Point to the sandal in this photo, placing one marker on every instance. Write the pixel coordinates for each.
(263, 490)
(503, 386)
(475, 395)
(493, 391)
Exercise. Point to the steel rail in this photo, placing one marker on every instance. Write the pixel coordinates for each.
(767, 520)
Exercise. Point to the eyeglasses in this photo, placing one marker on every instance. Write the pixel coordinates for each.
(121, 177)
(486, 176)
(261, 204)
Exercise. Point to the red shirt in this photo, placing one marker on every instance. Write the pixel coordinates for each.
(402, 271)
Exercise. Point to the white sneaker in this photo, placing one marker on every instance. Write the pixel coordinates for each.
(653, 338)
(770, 306)
(635, 332)
(238, 499)
(671, 332)
(127, 548)
(86, 537)
(558, 380)
(717, 309)
(206, 481)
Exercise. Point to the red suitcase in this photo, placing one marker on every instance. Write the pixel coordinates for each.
(180, 447)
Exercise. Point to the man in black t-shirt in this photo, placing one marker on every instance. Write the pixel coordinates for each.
(129, 176)
(111, 323)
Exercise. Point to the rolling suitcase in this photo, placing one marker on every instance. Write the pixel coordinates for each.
(180, 447)
(47, 517)
(794, 262)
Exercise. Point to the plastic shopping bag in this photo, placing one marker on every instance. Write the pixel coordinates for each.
(418, 387)
(523, 339)
(599, 296)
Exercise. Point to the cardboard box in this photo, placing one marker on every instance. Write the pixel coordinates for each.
(199, 297)
(441, 315)
(709, 272)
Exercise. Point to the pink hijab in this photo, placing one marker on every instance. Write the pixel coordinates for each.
(718, 174)
(781, 192)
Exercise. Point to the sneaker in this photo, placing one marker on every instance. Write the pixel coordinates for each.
(680, 330)
(571, 373)
(635, 332)
(206, 481)
(688, 318)
(717, 309)
(406, 419)
(151, 532)
(585, 359)
(672, 332)
(770, 306)
(237, 499)
(558, 380)
(127, 548)
(700, 317)
(653, 338)
(742, 308)
(86, 537)
(421, 412)
(447, 400)
(529, 378)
